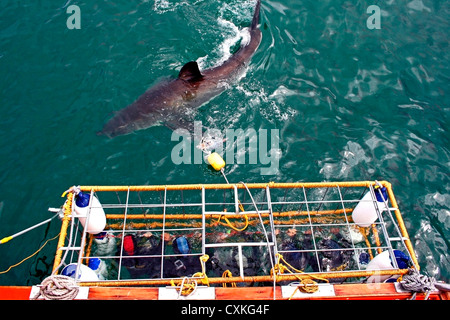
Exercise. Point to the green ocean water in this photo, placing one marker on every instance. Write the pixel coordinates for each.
(350, 103)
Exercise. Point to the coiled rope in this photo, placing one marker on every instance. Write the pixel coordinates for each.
(58, 287)
(416, 282)
(306, 285)
(189, 285)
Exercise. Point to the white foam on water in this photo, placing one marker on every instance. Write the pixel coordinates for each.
(224, 49)
(163, 6)
(240, 11)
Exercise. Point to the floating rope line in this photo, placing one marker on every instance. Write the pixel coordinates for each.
(30, 256)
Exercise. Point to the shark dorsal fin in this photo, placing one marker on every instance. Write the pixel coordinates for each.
(190, 72)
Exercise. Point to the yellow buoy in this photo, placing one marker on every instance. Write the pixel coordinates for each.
(216, 161)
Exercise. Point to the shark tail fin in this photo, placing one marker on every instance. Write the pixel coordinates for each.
(255, 20)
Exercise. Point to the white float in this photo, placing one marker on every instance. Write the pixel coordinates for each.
(89, 209)
(383, 261)
(84, 273)
(365, 212)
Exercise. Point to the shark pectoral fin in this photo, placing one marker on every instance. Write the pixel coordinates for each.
(190, 72)
(175, 124)
(180, 121)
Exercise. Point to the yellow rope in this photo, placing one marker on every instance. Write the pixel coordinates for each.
(229, 223)
(188, 285)
(307, 285)
(282, 267)
(202, 274)
(377, 238)
(30, 256)
(365, 231)
(227, 273)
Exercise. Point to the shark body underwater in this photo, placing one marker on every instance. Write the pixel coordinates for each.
(167, 101)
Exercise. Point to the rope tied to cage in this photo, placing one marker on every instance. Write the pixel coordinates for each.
(187, 287)
(230, 225)
(202, 274)
(58, 287)
(306, 285)
(227, 273)
(416, 282)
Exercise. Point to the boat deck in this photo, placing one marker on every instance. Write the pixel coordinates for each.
(385, 291)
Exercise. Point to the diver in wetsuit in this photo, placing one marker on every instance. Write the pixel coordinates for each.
(290, 241)
(142, 244)
(255, 258)
(183, 264)
(334, 260)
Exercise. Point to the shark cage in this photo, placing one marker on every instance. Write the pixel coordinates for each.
(302, 236)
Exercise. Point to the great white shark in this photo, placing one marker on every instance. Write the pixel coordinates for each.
(168, 101)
